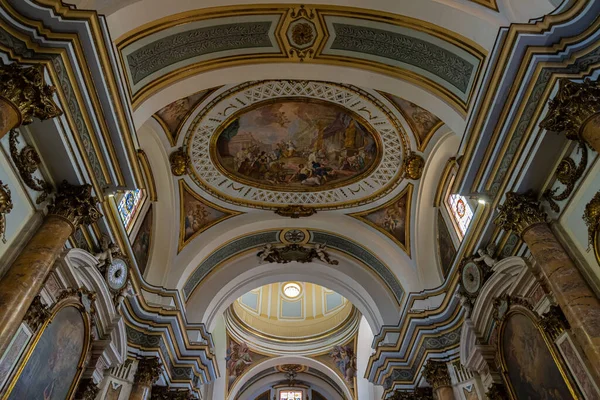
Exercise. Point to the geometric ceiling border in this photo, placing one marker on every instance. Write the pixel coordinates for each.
(162, 52)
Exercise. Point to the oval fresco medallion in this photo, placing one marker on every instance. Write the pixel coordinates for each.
(294, 145)
(275, 143)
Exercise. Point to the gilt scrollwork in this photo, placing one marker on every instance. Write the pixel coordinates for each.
(27, 161)
(591, 217)
(6, 206)
(567, 173)
(295, 252)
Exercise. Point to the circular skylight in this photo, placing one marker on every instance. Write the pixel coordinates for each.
(291, 290)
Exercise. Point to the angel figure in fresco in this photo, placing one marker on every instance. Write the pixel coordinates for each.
(345, 360)
(393, 219)
(195, 219)
(238, 358)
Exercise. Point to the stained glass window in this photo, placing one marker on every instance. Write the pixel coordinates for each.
(290, 395)
(128, 206)
(461, 212)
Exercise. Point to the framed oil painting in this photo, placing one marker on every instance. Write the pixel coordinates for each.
(143, 242)
(530, 365)
(54, 364)
(296, 145)
(392, 218)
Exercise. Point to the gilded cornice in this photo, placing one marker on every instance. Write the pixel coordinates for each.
(436, 374)
(313, 51)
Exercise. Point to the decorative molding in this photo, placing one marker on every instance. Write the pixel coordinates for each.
(413, 166)
(554, 322)
(572, 107)
(26, 90)
(37, 314)
(148, 371)
(568, 174)
(295, 252)
(6, 206)
(27, 161)
(147, 169)
(418, 394)
(75, 204)
(519, 212)
(436, 374)
(591, 216)
(296, 211)
(180, 162)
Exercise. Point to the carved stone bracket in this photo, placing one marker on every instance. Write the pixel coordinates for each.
(417, 394)
(27, 161)
(37, 314)
(75, 204)
(6, 206)
(554, 322)
(148, 371)
(591, 216)
(295, 211)
(180, 162)
(568, 174)
(294, 252)
(519, 212)
(413, 166)
(572, 107)
(436, 374)
(26, 90)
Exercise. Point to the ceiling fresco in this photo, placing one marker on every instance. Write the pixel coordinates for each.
(270, 144)
(293, 145)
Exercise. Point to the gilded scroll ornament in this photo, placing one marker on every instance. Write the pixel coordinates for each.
(295, 211)
(573, 105)
(497, 391)
(180, 162)
(87, 390)
(413, 166)
(6, 206)
(148, 371)
(295, 252)
(554, 322)
(301, 33)
(418, 394)
(164, 393)
(37, 313)
(75, 204)
(567, 173)
(26, 89)
(27, 161)
(591, 216)
(519, 212)
(436, 373)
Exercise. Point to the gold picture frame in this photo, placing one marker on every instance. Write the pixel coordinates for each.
(514, 309)
(71, 301)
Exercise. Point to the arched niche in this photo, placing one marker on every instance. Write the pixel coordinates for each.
(273, 362)
(349, 278)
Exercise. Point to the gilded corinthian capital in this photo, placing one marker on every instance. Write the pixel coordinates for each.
(519, 212)
(573, 105)
(26, 90)
(591, 216)
(148, 371)
(436, 373)
(75, 204)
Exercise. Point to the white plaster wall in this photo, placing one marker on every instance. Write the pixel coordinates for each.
(220, 338)
(365, 389)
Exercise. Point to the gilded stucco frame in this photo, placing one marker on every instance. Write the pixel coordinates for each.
(535, 320)
(71, 301)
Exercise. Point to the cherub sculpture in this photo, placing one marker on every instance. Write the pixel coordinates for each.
(109, 249)
(485, 255)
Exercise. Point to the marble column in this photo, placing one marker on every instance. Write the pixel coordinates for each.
(148, 372)
(73, 205)
(522, 214)
(576, 111)
(436, 374)
(23, 96)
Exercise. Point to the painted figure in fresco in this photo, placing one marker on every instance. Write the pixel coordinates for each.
(296, 144)
(238, 358)
(196, 217)
(345, 360)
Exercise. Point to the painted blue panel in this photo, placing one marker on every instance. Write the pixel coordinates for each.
(291, 309)
(250, 300)
(332, 301)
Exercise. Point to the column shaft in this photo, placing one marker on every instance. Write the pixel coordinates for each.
(26, 276)
(9, 117)
(579, 304)
(444, 393)
(140, 391)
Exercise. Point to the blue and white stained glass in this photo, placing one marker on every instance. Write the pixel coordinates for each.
(128, 206)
